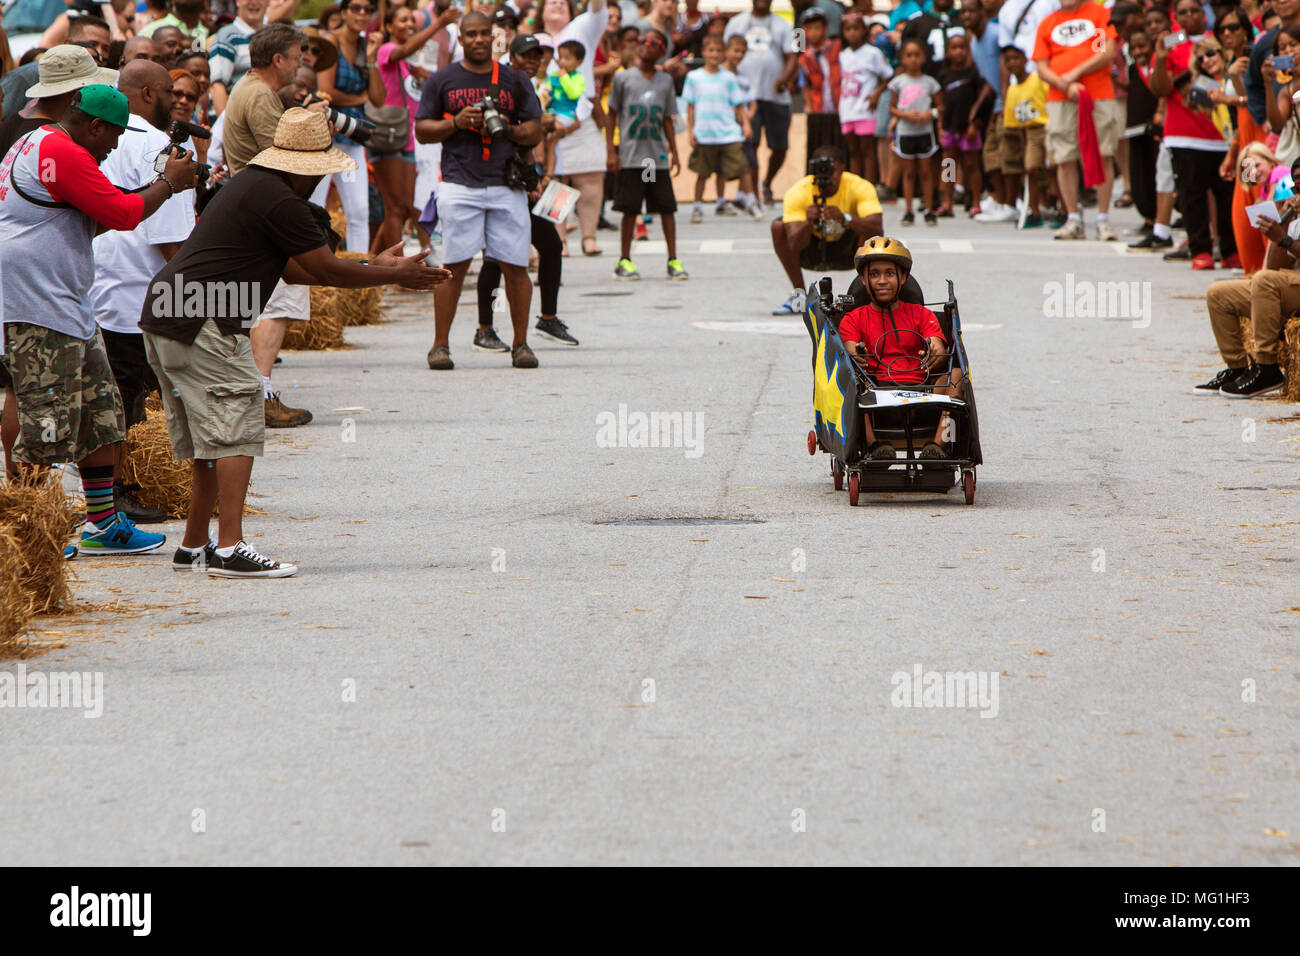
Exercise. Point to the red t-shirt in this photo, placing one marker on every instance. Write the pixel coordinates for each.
(70, 174)
(1068, 38)
(1180, 120)
(867, 324)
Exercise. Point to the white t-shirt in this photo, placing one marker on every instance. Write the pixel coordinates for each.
(767, 40)
(126, 262)
(861, 72)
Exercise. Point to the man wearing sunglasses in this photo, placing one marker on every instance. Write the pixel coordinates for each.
(125, 262)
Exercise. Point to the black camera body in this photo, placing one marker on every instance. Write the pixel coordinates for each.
(357, 130)
(178, 132)
(823, 174)
(495, 126)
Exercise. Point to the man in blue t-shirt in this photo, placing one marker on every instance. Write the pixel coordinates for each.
(478, 211)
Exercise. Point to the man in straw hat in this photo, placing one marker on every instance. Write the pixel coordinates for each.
(53, 199)
(258, 229)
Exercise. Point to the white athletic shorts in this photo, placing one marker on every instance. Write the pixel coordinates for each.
(493, 220)
(1165, 170)
(288, 302)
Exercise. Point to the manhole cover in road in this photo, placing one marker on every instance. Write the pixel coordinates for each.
(658, 522)
(604, 294)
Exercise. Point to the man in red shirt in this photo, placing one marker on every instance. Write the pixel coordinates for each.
(896, 342)
(1195, 145)
(1073, 52)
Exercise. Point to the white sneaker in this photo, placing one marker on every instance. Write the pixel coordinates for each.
(1105, 233)
(988, 206)
(794, 305)
(998, 214)
(1073, 229)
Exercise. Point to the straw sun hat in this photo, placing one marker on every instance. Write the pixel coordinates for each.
(303, 145)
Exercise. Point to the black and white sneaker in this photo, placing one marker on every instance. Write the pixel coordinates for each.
(1223, 378)
(486, 340)
(555, 330)
(247, 563)
(199, 560)
(1260, 380)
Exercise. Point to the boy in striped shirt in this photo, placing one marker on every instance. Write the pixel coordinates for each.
(715, 117)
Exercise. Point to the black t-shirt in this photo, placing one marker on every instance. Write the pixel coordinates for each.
(14, 128)
(452, 89)
(960, 88)
(228, 267)
(923, 28)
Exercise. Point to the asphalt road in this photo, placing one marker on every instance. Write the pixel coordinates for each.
(1130, 562)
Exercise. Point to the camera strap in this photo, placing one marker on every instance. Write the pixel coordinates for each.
(496, 95)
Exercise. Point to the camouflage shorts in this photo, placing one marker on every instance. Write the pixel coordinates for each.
(68, 404)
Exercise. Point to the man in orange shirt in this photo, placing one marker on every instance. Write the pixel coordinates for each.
(1073, 52)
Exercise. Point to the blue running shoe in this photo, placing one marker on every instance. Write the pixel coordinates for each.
(69, 552)
(794, 305)
(119, 536)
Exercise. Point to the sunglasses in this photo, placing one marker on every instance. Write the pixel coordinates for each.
(177, 95)
(360, 8)
(652, 41)
(1230, 25)
(314, 51)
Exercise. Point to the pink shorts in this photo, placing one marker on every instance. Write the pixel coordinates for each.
(862, 127)
(964, 144)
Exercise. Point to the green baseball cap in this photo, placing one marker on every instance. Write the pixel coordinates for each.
(107, 104)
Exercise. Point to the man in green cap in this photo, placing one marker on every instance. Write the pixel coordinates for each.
(53, 200)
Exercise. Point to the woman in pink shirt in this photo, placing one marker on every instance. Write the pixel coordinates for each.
(395, 172)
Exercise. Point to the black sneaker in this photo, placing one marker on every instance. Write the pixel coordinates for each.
(136, 510)
(485, 340)
(247, 563)
(1223, 378)
(555, 330)
(1258, 381)
(909, 219)
(931, 219)
(1150, 243)
(199, 560)
(1182, 254)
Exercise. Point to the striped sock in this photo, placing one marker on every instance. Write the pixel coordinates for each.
(97, 483)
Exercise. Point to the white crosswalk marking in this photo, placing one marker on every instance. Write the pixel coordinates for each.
(955, 245)
(716, 246)
(656, 247)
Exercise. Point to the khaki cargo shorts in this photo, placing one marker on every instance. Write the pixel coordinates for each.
(68, 403)
(726, 158)
(1063, 129)
(211, 392)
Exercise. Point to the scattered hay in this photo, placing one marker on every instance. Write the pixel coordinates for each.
(1288, 359)
(1247, 335)
(34, 526)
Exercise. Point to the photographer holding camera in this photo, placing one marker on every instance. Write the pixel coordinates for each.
(125, 262)
(481, 112)
(827, 216)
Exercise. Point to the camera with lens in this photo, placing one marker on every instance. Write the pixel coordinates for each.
(494, 124)
(179, 132)
(357, 130)
(823, 173)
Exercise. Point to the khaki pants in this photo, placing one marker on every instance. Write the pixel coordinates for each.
(1266, 297)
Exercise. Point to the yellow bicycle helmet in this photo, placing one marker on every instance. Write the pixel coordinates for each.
(882, 247)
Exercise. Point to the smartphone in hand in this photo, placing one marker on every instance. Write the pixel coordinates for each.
(1173, 39)
(1284, 63)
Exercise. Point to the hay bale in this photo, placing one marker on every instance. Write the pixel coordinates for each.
(338, 220)
(35, 522)
(16, 604)
(1247, 334)
(324, 331)
(349, 306)
(1288, 359)
(147, 461)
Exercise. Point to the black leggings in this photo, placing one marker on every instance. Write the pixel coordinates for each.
(547, 242)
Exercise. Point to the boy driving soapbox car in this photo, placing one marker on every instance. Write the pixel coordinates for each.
(892, 399)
